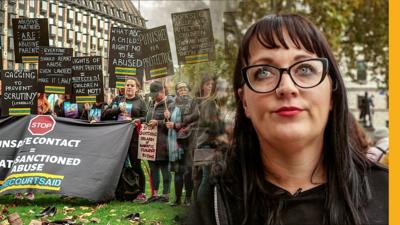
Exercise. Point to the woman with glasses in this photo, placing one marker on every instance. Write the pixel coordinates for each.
(291, 161)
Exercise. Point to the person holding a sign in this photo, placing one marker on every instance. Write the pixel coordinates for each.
(184, 114)
(291, 161)
(65, 108)
(132, 107)
(157, 116)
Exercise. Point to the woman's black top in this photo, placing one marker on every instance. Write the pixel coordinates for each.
(221, 207)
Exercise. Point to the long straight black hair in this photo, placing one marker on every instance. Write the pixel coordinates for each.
(347, 189)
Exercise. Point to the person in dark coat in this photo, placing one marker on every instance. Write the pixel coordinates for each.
(184, 127)
(157, 116)
(130, 107)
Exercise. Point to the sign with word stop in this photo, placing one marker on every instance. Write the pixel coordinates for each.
(41, 125)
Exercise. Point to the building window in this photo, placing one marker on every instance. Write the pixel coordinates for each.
(43, 5)
(78, 17)
(70, 15)
(70, 35)
(10, 43)
(31, 15)
(53, 9)
(60, 23)
(53, 30)
(69, 26)
(85, 19)
(61, 11)
(32, 3)
(60, 32)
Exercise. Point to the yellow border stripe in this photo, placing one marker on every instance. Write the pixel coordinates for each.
(46, 175)
(159, 74)
(125, 73)
(157, 70)
(196, 56)
(1, 182)
(31, 186)
(124, 68)
(197, 61)
(394, 112)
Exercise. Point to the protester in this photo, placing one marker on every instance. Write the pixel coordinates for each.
(64, 107)
(291, 161)
(156, 116)
(208, 129)
(180, 141)
(43, 105)
(93, 112)
(131, 107)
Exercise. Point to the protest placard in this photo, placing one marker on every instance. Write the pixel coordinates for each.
(157, 58)
(147, 143)
(29, 34)
(19, 92)
(55, 70)
(194, 38)
(87, 79)
(125, 56)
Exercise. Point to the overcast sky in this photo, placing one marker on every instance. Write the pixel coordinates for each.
(158, 13)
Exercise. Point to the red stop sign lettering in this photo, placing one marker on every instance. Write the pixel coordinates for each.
(41, 125)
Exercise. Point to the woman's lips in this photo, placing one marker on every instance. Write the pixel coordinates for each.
(288, 111)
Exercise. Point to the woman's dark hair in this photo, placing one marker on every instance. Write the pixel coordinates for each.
(347, 190)
(358, 138)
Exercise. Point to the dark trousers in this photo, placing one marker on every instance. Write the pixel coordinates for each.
(137, 167)
(155, 168)
(183, 177)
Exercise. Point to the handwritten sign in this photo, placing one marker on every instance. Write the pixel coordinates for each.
(194, 38)
(19, 92)
(87, 79)
(147, 143)
(157, 58)
(29, 34)
(125, 56)
(55, 70)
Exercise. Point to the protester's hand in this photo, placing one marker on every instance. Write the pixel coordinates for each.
(169, 125)
(86, 106)
(93, 121)
(167, 114)
(153, 123)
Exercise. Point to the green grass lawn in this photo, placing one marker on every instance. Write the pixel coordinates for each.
(83, 211)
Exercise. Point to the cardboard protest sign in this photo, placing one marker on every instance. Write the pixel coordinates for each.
(19, 92)
(29, 34)
(194, 38)
(157, 58)
(87, 79)
(125, 56)
(55, 70)
(62, 156)
(147, 143)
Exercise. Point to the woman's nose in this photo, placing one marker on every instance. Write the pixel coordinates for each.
(286, 86)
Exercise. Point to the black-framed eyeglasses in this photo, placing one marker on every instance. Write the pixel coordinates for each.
(264, 78)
